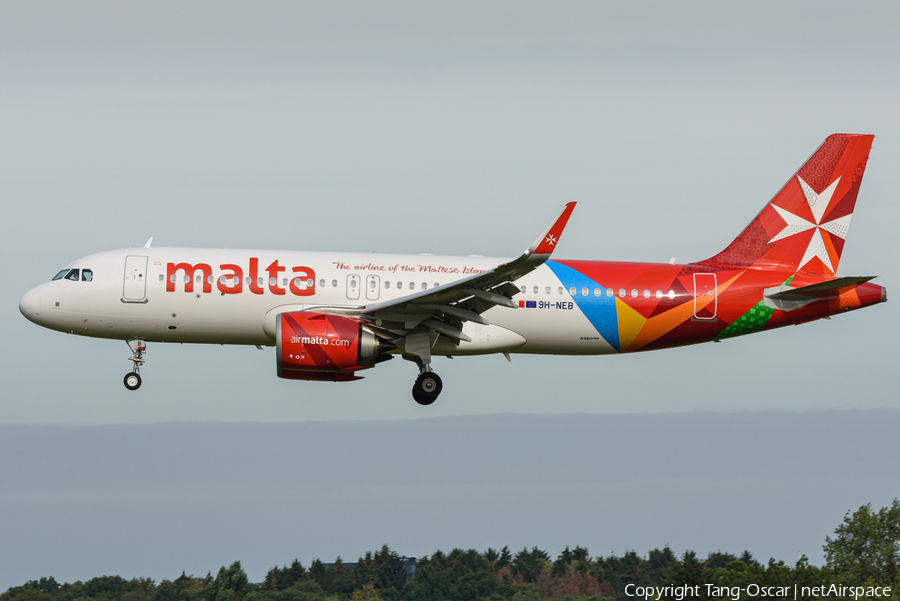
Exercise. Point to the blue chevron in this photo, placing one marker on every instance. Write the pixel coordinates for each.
(600, 310)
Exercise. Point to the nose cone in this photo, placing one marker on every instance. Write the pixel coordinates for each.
(30, 305)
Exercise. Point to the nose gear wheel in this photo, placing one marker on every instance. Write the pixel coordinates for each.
(133, 379)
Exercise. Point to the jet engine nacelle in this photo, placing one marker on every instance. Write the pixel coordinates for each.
(319, 346)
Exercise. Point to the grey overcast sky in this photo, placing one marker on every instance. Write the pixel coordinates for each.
(453, 129)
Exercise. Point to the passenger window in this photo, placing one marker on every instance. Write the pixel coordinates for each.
(60, 275)
(436, 284)
(560, 290)
(547, 289)
(535, 289)
(210, 279)
(424, 286)
(247, 281)
(259, 281)
(387, 285)
(321, 283)
(597, 291)
(399, 285)
(72, 275)
(412, 285)
(659, 294)
(272, 281)
(87, 275)
(222, 280)
(671, 294)
(309, 283)
(187, 279)
(634, 293)
(646, 294)
(172, 278)
(198, 278)
(572, 291)
(522, 289)
(284, 281)
(584, 292)
(609, 292)
(622, 292)
(334, 283)
(161, 278)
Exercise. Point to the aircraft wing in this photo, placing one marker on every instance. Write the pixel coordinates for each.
(444, 309)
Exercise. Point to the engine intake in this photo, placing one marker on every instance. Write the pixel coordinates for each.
(319, 346)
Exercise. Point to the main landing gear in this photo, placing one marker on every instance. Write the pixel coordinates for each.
(133, 380)
(427, 387)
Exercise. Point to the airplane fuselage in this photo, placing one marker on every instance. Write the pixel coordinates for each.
(220, 296)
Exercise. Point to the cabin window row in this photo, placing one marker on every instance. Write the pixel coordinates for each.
(234, 280)
(410, 285)
(373, 284)
(600, 292)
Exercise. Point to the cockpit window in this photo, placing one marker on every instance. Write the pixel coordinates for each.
(60, 275)
(87, 275)
(72, 275)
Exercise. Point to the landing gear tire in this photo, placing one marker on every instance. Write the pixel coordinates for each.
(427, 388)
(132, 381)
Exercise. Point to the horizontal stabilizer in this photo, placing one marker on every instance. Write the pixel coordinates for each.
(834, 287)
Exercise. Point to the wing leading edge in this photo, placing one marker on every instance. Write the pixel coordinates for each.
(421, 317)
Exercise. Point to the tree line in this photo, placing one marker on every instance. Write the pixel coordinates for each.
(865, 551)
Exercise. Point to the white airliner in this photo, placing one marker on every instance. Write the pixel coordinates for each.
(329, 314)
(332, 315)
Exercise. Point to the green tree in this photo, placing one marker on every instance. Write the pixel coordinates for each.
(384, 569)
(230, 584)
(491, 557)
(278, 579)
(341, 582)
(171, 591)
(719, 559)
(692, 572)
(45, 585)
(630, 568)
(530, 564)
(867, 545)
(660, 563)
(320, 574)
(366, 593)
(562, 562)
(24, 593)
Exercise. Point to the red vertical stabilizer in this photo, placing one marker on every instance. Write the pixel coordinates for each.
(804, 227)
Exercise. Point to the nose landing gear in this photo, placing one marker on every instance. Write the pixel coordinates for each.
(133, 379)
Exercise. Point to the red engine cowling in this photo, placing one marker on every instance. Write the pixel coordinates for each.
(318, 346)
